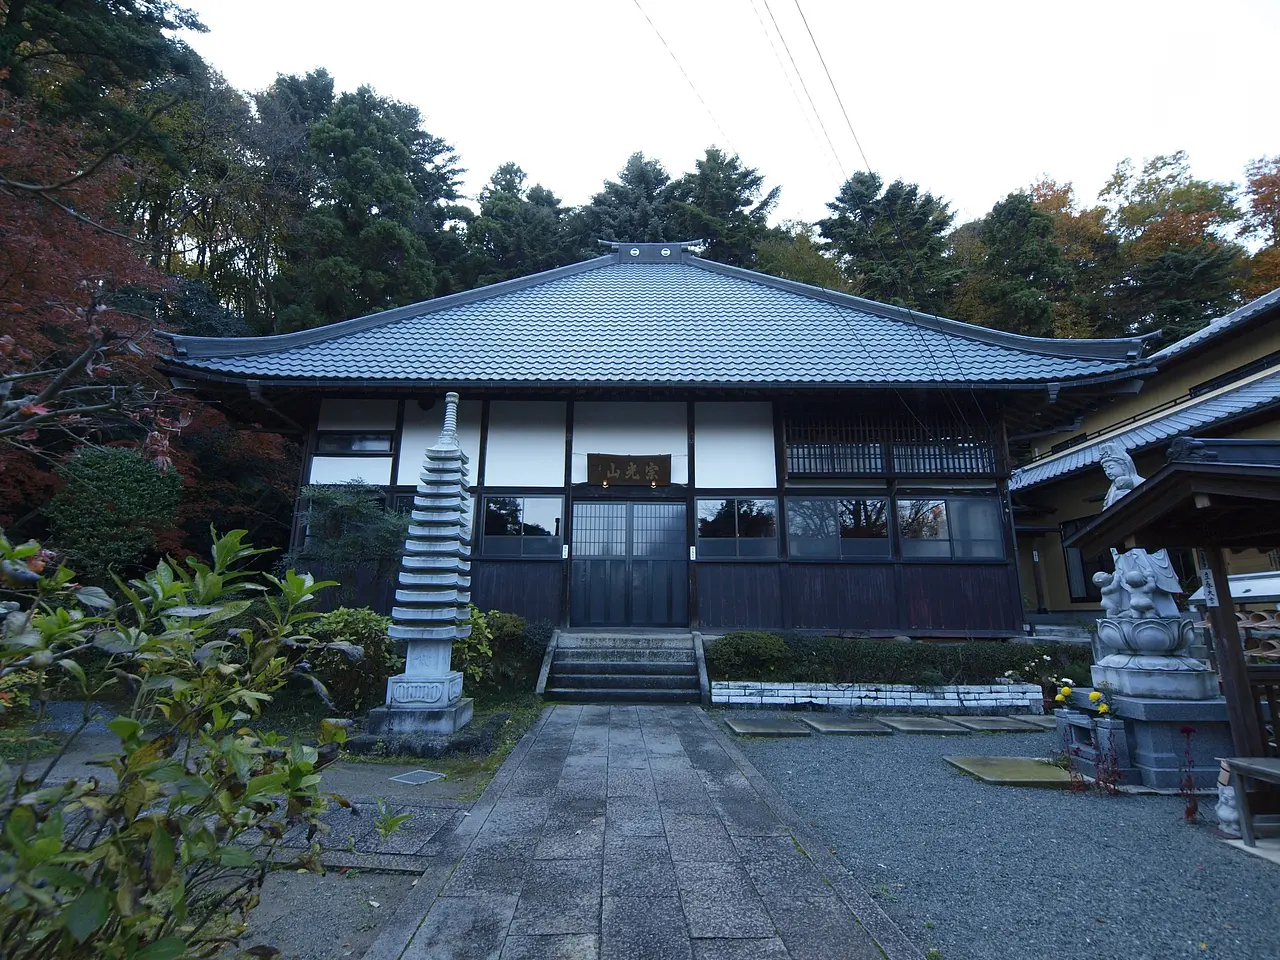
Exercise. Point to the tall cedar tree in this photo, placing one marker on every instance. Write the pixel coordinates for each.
(520, 230)
(1016, 270)
(891, 245)
(366, 243)
(632, 208)
(722, 202)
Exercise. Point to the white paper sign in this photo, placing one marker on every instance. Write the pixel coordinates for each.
(1206, 575)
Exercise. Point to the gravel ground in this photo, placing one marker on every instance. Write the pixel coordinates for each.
(1008, 873)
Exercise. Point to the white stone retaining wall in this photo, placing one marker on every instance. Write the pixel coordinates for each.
(974, 698)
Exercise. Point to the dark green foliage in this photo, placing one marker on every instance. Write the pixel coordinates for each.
(1021, 274)
(351, 536)
(78, 55)
(632, 208)
(1178, 291)
(890, 245)
(748, 655)
(721, 202)
(365, 243)
(520, 230)
(111, 508)
(356, 684)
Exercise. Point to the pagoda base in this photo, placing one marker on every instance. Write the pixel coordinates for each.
(399, 721)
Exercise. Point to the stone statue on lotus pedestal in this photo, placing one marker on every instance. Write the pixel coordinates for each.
(433, 596)
(1146, 642)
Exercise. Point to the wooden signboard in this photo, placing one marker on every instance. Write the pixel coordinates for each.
(629, 470)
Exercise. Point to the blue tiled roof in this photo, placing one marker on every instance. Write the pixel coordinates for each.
(689, 321)
(1185, 419)
(1220, 326)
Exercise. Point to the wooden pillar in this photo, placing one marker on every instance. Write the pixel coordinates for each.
(566, 524)
(1245, 732)
(1038, 570)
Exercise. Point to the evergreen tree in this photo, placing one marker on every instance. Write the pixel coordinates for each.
(632, 208)
(381, 185)
(891, 245)
(519, 231)
(791, 252)
(721, 202)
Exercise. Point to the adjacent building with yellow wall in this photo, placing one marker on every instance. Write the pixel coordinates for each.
(1222, 381)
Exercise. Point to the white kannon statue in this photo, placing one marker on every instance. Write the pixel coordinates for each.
(1143, 583)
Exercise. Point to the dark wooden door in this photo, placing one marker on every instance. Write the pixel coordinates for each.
(630, 565)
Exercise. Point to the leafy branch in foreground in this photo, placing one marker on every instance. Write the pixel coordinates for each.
(163, 854)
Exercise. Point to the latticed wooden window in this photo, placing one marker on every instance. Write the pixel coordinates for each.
(874, 443)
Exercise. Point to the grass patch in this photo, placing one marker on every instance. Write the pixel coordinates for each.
(15, 744)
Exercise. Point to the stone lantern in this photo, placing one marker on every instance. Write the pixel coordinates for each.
(432, 596)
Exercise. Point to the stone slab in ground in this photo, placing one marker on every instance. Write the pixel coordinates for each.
(1013, 771)
(921, 725)
(767, 727)
(990, 724)
(1037, 721)
(845, 726)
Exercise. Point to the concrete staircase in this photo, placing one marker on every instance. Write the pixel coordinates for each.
(623, 667)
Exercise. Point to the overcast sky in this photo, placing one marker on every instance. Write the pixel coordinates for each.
(971, 100)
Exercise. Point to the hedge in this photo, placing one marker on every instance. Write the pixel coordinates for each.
(757, 655)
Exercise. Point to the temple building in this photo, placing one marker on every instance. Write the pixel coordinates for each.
(655, 439)
(1222, 381)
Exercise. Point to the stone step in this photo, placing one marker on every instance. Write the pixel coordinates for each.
(613, 695)
(608, 681)
(603, 654)
(626, 667)
(588, 642)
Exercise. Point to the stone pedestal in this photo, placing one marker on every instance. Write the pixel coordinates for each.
(1150, 657)
(403, 721)
(1147, 739)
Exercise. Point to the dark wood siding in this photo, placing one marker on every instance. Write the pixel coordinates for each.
(739, 595)
(853, 597)
(961, 598)
(530, 588)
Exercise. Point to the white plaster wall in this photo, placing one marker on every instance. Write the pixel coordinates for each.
(422, 429)
(373, 470)
(636, 428)
(525, 446)
(357, 415)
(733, 445)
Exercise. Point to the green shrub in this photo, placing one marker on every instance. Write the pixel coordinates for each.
(824, 659)
(165, 857)
(518, 648)
(356, 684)
(472, 655)
(112, 505)
(748, 655)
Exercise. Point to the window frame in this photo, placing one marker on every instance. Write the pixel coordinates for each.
(776, 556)
(946, 495)
(883, 495)
(482, 537)
(389, 452)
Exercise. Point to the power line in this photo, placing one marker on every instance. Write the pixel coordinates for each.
(794, 94)
(897, 232)
(835, 153)
(688, 80)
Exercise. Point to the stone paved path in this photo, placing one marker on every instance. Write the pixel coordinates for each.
(634, 832)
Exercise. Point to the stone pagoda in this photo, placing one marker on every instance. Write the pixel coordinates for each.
(432, 598)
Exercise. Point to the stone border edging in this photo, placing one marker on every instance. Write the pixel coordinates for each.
(403, 925)
(976, 698)
(704, 685)
(888, 936)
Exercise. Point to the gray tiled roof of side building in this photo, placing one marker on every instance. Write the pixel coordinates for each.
(1179, 421)
(1220, 326)
(684, 322)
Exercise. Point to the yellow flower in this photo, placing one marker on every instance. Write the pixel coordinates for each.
(1066, 691)
(1095, 696)
(1060, 698)
(1103, 708)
